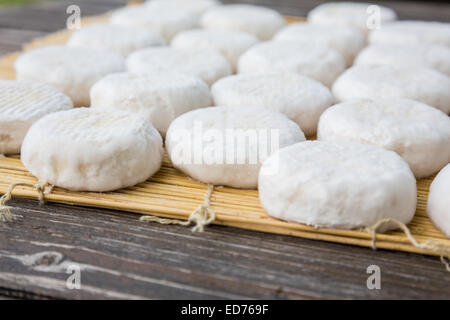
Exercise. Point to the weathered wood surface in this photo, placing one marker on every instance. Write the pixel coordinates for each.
(123, 258)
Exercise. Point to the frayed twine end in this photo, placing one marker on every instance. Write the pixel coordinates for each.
(6, 215)
(5, 211)
(431, 245)
(202, 216)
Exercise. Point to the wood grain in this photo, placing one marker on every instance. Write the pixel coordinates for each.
(132, 260)
(123, 258)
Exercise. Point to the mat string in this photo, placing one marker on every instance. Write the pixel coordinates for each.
(202, 216)
(432, 245)
(5, 213)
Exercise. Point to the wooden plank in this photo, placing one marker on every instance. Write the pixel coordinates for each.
(12, 39)
(157, 261)
(123, 258)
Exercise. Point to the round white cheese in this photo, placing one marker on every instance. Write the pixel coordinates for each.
(231, 44)
(156, 18)
(196, 7)
(226, 145)
(159, 96)
(260, 21)
(300, 98)
(316, 61)
(420, 134)
(92, 149)
(433, 56)
(362, 15)
(205, 64)
(439, 201)
(114, 38)
(394, 81)
(412, 32)
(70, 70)
(21, 104)
(346, 40)
(342, 185)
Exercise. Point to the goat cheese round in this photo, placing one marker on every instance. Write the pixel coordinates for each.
(196, 7)
(21, 104)
(159, 96)
(315, 61)
(412, 32)
(156, 18)
(260, 21)
(119, 39)
(298, 97)
(433, 56)
(92, 149)
(205, 64)
(70, 70)
(394, 81)
(364, 16)
(226, 145)
(439, 201)
(341, 185)
(346, 40)
(231, 44)
(420, 134)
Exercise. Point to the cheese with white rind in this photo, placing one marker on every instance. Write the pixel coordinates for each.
(156, 18)
(439, 201)
(119, 39)
(226, 145)
(260, 21)
(315, 61)
(432, 56)
(160, 96)
(394, 81)
(205, 64)
(92, 149)
(196, 7)
(420, 134)
(298, 97)
(412, 32)
(355, 14)
(231, 44)
(70, 70)
(339, 185)
(346, 40)
(21, 104)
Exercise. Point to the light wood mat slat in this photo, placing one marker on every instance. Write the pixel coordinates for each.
(172, 194)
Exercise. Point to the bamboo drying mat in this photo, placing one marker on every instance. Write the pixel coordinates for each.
(172, 194)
